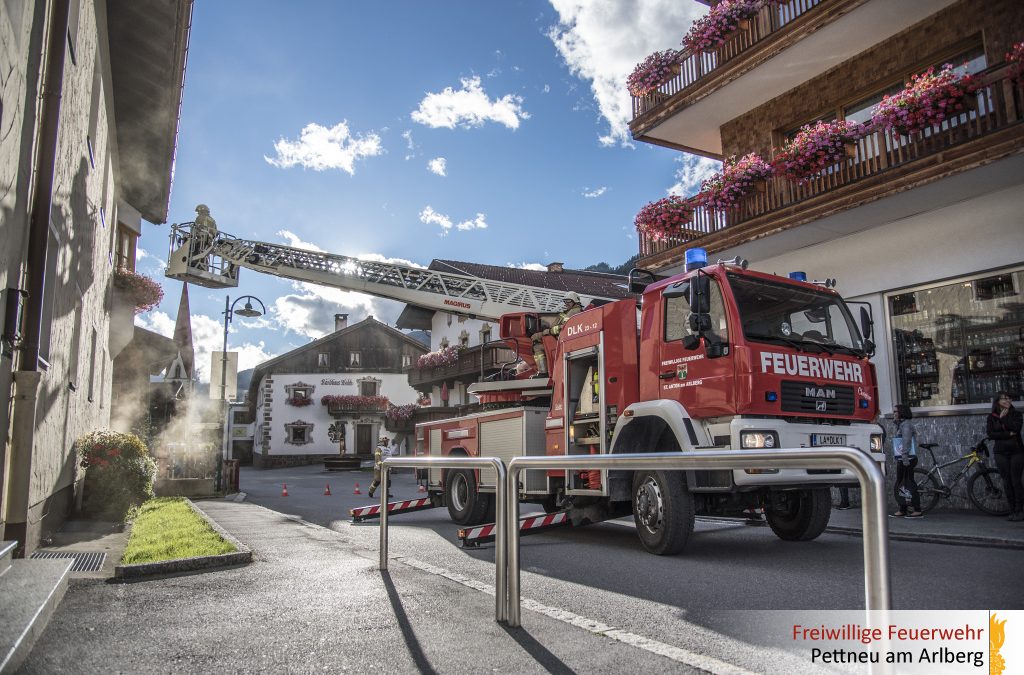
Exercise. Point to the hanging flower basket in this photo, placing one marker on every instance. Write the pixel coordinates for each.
(719, 24)
(816, 147)
(143, 291)
(1015, 59)
(737, 178)
(664, 218)
(653, 72)
(926, 101)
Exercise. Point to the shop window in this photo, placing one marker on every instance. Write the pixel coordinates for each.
(298, 433)
(959, 343)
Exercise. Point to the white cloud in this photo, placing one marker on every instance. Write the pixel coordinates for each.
(320, 148)
(431, 217)
(469, 107)
(694, 169)
(207, 337)
(603, 41)
(438, 165)
(596, 192)
(546, 89)
(537, 267)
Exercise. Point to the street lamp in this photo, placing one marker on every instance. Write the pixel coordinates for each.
(229, 311)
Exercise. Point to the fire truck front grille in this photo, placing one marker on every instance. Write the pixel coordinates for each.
(816, 399)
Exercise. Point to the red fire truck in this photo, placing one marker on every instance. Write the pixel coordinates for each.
(717, 357)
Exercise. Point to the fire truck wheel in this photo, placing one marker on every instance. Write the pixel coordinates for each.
(466, 506)
(663, 511)
(799, 515)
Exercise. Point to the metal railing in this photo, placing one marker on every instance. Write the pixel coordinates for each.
(500, 539)
(876, 558)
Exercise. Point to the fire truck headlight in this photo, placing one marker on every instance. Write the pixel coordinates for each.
(876, 442)
(759, 439)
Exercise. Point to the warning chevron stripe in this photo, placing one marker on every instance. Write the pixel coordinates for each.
(361, 513)
(482, 534)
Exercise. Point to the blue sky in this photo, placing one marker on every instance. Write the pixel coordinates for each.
(492, 132)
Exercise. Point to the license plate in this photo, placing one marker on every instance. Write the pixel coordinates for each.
(828, 439)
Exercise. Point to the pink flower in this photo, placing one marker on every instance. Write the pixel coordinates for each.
(652, 73)
(816, 147)
(664, 218)
(925, 101)
(724, 189)
(719, 24)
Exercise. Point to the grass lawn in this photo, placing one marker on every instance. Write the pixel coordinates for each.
(167, 528)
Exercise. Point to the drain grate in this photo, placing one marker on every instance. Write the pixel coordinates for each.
(84, 561)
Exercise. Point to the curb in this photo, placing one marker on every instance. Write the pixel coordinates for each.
(946, 539)
(242, 556)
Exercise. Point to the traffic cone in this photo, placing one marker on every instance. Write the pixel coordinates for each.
(327, 490)
(284, 489)
(357, 491)
(422, 488)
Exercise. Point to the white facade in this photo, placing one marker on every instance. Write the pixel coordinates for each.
(454, 329)
(274, 415)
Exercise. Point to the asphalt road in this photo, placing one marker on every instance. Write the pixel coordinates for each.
(601, 570)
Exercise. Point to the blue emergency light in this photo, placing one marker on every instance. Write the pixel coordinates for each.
(771, 396)
(798, 276)
(696, 258)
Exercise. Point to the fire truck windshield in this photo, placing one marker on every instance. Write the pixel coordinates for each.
(806, 319)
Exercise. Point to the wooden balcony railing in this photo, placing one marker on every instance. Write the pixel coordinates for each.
(473, 362)
(999, 106)
(694, 66)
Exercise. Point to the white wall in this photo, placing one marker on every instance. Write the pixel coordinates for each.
(394, 386)
(445, 325)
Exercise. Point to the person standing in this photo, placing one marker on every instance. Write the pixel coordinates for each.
(383, 451)
(571, 307)
(904, 450)
(1003, 427)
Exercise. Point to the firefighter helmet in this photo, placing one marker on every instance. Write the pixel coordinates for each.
(571, 298)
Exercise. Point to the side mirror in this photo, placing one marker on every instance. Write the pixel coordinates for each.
(700, 323)
(866, 324)
(700, 294)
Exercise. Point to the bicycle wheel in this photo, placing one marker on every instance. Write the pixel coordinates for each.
(985, 488)
(927, 488)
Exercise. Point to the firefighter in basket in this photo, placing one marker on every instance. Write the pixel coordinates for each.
(204, 232)
(572, 307)
(383, 451)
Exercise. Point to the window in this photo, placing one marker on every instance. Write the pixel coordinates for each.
(369, 387)
(353, 359)
(406, 360)
(677, 317)
(959, 343)
(444, 342)
(240, 417)
(323, 360)
(485, 334)
(299, 394)
(124, 248)
(92, 366)
(464, 339)
(298, 433)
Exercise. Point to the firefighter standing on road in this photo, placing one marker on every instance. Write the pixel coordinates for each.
(572, 308)
(384, 450)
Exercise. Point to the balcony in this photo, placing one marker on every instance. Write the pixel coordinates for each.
(340, 406)
(785, 45)
(473, 364)
(883, 165)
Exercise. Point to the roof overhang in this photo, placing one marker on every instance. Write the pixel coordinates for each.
(148, 47)
(693, 122)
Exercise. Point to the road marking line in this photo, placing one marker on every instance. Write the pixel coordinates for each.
(677, 654)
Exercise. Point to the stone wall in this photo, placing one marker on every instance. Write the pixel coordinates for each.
(960, 25)
(266, 461)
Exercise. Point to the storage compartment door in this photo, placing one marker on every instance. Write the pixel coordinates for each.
(502, 439)
(435, 451)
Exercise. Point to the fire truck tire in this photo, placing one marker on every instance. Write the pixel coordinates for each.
(466, 506)
(799, 515)
(663, 511)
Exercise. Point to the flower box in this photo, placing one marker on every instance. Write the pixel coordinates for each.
(350, 403)
(142, 291)
(720, 23)
(928, 100)
(445, 356)
(816, 147)
(1015, 61)
(664, 218)
(737, 178)
(653, 72)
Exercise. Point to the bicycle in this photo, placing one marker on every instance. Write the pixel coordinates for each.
(984, 487)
